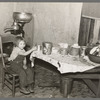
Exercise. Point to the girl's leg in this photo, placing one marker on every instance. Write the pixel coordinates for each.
(17, 67)
(30, 79)
(30, 75)
(22, 77)
(23, 81)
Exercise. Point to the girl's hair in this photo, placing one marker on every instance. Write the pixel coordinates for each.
(18, 39)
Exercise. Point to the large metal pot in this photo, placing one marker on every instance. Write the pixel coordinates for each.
(22, 17)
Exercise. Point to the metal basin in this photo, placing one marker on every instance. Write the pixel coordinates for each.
(93, 58)
(22, 17)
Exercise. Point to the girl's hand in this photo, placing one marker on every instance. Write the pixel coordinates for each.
(24, 66)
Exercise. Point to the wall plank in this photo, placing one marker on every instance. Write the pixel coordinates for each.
(84, 31)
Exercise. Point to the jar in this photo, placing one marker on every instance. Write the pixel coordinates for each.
(63, 51)
(74, 51)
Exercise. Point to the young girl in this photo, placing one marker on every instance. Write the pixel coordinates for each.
(19, 65)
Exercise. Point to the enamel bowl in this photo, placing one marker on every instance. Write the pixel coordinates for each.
(93, 58)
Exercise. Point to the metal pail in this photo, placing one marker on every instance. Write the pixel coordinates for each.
(47, 48)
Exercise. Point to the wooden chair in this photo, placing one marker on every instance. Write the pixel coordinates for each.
(9, 78)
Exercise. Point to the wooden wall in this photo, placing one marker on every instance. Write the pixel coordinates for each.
(91, 9)
(90, 24)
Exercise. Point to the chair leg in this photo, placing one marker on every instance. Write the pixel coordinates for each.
(3, 79)
(13, 87)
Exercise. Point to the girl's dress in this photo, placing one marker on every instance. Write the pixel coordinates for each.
(25, 75)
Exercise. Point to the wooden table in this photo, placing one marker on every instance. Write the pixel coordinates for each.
(88, 76)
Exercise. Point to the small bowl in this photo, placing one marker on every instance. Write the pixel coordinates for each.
(93, 58)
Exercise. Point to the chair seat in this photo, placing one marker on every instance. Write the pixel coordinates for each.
(9, 71)
(4, 55)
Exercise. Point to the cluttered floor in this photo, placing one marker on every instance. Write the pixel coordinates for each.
(79, 90)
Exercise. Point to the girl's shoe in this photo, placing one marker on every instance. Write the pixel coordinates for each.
(30, 88)
(24, 91)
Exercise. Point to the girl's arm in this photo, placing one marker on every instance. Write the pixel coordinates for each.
(24, 63)
(25, 53)
(14, 54)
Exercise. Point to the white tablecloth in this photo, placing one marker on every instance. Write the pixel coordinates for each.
(66, 63)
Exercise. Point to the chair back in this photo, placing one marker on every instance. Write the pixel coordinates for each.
(1, 51)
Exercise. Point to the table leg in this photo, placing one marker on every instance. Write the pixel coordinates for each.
(91, 85)
(98, 91)
(66, 86)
